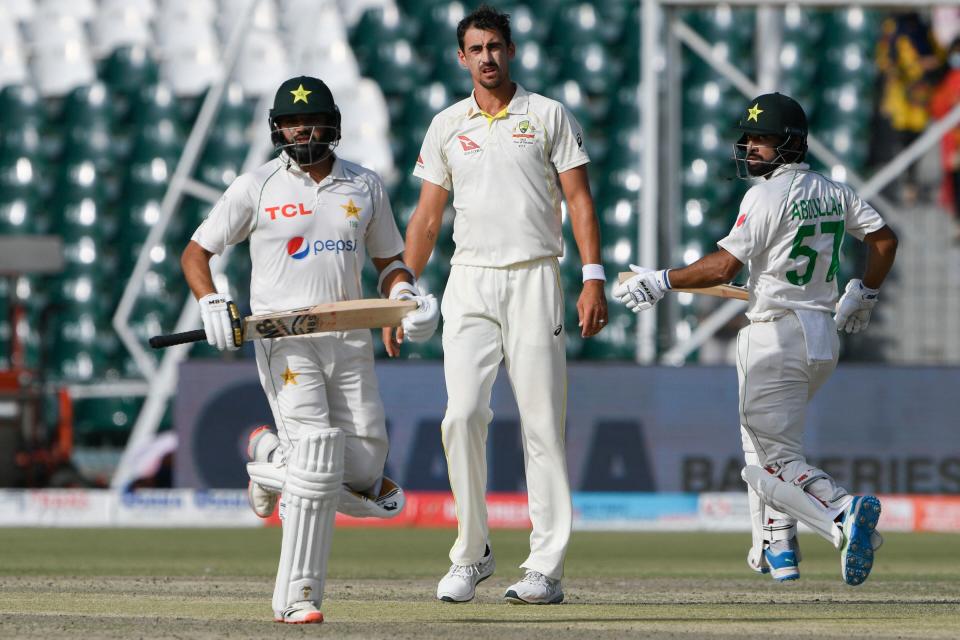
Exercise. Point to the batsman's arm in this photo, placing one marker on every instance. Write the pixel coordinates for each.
(592, 304)
(195, 262)
(881, 252)
(712, 269)
(424, 226)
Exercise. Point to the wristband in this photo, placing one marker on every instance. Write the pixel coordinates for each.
(666, 278)
(393, 266)
(593, 272)
(868, 293)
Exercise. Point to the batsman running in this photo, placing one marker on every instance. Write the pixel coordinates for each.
(311, 218)
(509, 157)
(789, 231)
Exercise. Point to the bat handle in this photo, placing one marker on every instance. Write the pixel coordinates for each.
(159, 342)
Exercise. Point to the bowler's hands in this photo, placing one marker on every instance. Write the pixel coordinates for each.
(592, 308)
(644, 290)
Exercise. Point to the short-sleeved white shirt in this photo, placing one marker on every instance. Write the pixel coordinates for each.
(308, 241)
(789, 232)
(504, 174)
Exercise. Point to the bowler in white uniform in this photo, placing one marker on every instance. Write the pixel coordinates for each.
(311, 219)
(789, 231)
(509, 157)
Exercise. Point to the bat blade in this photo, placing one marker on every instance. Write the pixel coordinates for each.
(333, 316)
(720, 290)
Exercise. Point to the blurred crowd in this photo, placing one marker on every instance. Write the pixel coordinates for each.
(918, 57)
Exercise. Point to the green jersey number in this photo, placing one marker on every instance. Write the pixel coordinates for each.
(799, 249)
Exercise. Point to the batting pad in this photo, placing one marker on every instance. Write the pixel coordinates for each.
(792, 500)
(308, 504)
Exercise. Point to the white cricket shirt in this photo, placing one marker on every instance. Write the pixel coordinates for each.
(789, 232)
(308, 241)
(503, 171)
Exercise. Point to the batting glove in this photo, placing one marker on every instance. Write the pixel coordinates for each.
(644, 290)
(216, 321)
(854, 307)
(421, 323)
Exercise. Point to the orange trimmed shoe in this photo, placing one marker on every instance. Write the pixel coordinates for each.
(303, 612)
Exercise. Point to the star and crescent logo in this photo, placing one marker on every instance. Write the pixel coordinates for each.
(353, 211)
(753, 113)
(300, 94)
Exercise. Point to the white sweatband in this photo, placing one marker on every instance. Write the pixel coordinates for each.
(393, 266)
(401, 287)
(593, 272)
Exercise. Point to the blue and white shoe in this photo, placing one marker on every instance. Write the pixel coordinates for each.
(859, 524)
(784, 563)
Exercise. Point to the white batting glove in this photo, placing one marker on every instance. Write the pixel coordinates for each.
(644, 290)
(216, 321)
(421, 323)
(854, 307)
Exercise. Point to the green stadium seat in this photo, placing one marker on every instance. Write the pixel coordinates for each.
(591, 66)
(104, 421)
(577, 24)
(19, 104)
(617, 341)
(19, 217)
(87, 105)
(161, 139)
(377, 26)
(129, 69)
(527, 23)
(20, 140)
(532, 67)
(447, 70)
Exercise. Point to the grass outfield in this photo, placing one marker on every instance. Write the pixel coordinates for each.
(88, 584)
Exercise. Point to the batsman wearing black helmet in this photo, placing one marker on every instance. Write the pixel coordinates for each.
(311, 218)
(789, 231)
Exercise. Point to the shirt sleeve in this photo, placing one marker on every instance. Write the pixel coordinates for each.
(231, 219)
(861, 218)
(568, 150)
(382, 239)
(432, 164)
(750, 235)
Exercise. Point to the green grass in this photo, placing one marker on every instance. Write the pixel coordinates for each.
(199, 583)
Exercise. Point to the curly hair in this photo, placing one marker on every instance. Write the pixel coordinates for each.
(486, 18)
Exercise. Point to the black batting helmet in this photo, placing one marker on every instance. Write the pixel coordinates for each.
(305, 95)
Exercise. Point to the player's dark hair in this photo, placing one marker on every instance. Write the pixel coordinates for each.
(485, 18)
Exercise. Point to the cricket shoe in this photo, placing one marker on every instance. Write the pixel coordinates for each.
(260, 444)
(302, 612)
(783, 559)
(859, 524)
(535, 588)
(460, 583)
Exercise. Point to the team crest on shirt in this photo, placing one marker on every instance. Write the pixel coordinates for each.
(524, 134)
(352, 213)
(741, 220)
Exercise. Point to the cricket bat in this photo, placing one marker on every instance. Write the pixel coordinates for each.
(331, 316)
(720, 290)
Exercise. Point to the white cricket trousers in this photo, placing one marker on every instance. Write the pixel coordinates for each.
(776, 385)
(514, 314)
(327, 381)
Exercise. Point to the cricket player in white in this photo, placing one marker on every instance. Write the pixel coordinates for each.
(789, 231)
(506, 154)
(310, 218)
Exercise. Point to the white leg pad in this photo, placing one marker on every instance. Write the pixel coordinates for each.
(388, 504)
(308, 503)
(794, 501)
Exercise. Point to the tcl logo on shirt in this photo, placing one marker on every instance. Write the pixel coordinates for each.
(299, 247)
(288, 210)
